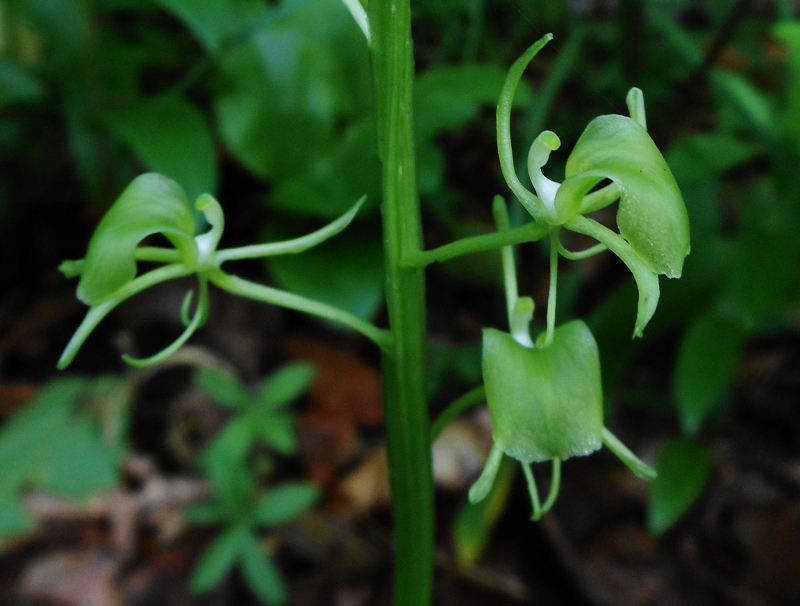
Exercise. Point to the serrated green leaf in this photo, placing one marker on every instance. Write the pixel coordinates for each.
(261, 574)
(222, 388)
(651, 216)
(285, 385)
(683, 468)
(171, 137)
(151, 204)
(220, 557)
(708, 356)
(284, 503)
(545, 403)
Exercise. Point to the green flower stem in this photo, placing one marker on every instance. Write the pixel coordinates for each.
(405, 402)
(553, 290)
(101, 310)
(530, 232)
(500, 213)
(466, 401)
(273, 296)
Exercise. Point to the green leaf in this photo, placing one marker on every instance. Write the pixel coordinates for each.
(207, 19)
(17, 84)
(222, 388)
(750, 103)
(708, 356)
(346, 272)
(285, 385)
(277, 431)
(683, 469)
(14, 520)
(284, 503)
(705, 155)
(545, 403)
(205, 513)
(283, 94)
(788, 32)
(171, 137)
(53, 445)
(234, 487)
(261, 574)
(448, 97)
(334, 179)
(651, 216)
(220, 557)
(151, 204)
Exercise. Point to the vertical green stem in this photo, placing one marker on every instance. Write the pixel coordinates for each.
(407, 422)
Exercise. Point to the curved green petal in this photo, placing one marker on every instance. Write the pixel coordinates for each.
(652, 216)
(544, 403)
(646, 278)
(151, 204)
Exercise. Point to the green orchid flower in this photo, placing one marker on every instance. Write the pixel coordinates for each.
(154, 204)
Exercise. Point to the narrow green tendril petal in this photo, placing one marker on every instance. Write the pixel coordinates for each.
(72, 269)
(635, 102)
(200, 316)
(538, 155)
(273, 296)
(207, 242)
(157, 254)
(294, 246)
(527, 198)
(533, 492)
(100, 311)
(623, 453)
(646, 278)
(185, 307)
(483, 484)
(599, 199)
(555, 485)
(469, 399)
(531, 232)
(583, 254)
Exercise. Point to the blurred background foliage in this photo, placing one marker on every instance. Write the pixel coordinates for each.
(268, 106)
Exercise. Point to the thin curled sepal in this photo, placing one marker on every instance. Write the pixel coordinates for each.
(652, 216)
(199, 318)
(526, 197)
(151, 204)
(646, 278)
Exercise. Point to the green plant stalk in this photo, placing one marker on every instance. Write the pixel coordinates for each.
(405, 404)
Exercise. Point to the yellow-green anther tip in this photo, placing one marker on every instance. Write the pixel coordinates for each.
(524, 304)
(550, 139)
(204, 201)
